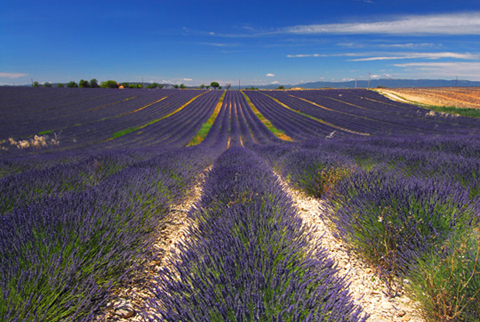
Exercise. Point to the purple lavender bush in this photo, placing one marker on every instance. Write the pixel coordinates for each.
(392, 220)
(61, 256)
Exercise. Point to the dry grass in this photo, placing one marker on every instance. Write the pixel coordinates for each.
(460, 97)
(37, 142)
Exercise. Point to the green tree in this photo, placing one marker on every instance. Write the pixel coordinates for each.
(202, 86)
(228, 86)
(83, 83)
(60, 85)
(47, 84)
(72, 84)
(35, 84)
(281, 87)
(175, 86)
(109, 84)
(94, 83)
(215, 85)
(126, 85)
(152, 86)
(182, 86)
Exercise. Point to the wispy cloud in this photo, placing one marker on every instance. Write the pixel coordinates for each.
(323, 55)
(12, 75)
(439, 24)
(408, 45)
(270, 75)
(218, 44)
(461, 69)
(188, 79)
(396, 56)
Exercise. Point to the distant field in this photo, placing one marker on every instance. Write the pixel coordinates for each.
(460, 97)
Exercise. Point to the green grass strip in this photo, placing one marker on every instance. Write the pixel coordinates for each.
(202, 134)
(317, 119)
(463, 111)
(45, 132)
(119, 134)
(278, 133)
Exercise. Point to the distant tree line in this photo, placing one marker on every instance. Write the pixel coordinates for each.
(93, 83)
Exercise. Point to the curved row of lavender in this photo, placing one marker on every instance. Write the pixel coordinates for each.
(87, 175)
(249, 257)
(72, 233)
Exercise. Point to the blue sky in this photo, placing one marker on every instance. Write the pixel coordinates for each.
(258, 42)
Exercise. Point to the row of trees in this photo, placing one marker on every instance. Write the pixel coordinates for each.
(113, 84)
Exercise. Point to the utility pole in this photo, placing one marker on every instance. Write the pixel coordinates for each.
(369, 75)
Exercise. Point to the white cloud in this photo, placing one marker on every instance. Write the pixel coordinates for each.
(305, 55)
(420, 55)
(408, 45)
(270, 75)
(12, 75)
(470, 70)
(218, 44)
(440, 24)
(275, 82)
(188, 79)
(323, 55)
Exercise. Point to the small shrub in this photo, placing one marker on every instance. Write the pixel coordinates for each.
(446, 283)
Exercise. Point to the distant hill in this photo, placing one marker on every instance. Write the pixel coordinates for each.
(380, 82)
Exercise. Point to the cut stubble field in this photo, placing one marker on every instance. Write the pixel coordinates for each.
(460, 97)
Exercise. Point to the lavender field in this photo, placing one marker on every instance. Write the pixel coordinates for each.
(88, 178)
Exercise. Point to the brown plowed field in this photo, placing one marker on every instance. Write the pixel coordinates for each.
(440, 96)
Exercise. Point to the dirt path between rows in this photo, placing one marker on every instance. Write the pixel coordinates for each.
(366, 287)
(129, 302)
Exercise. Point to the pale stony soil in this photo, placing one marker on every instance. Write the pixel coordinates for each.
(129, 303)
(366, 288)
(464, 97)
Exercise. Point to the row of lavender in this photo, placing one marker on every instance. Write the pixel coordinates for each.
(353, 113)
(408, 206)
(237, 125)
(248, 256)
(73, 232)
(104, 121)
